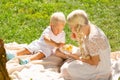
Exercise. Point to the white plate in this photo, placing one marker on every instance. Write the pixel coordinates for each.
(74, 49)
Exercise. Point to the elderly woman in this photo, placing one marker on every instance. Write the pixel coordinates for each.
(92, 62)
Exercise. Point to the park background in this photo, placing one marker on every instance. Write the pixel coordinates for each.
(23, 21)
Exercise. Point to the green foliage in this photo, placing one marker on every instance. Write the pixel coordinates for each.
(24, 20)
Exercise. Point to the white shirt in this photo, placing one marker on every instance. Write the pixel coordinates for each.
(41, 46)
(96, 44)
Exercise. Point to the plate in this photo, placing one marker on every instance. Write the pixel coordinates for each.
(69, 49)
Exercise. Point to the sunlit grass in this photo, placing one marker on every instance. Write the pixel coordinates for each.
(23, 21)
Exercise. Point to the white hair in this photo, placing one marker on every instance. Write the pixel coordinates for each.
(57, 17)
(77, 17)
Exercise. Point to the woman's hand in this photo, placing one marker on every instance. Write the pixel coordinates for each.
(93, 60)
(74, 56)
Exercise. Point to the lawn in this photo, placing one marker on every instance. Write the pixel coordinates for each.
(23, 21)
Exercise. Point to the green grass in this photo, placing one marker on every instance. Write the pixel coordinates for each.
(23, 21)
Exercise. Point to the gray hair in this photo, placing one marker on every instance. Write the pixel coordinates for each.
(77, 17)
(57, 17)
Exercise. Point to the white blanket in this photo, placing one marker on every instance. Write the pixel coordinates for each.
(46, 69)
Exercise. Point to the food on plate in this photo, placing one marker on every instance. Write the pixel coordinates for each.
(67, 48)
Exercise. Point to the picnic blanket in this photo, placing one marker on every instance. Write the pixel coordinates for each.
(47, 68)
